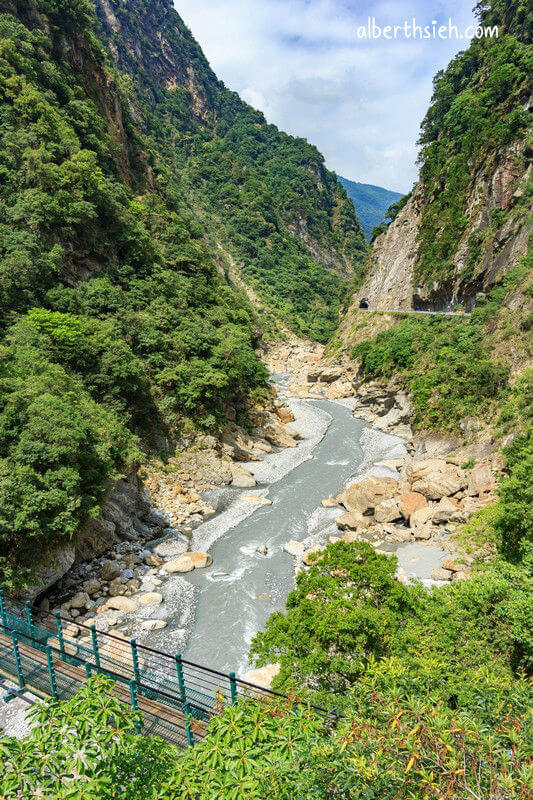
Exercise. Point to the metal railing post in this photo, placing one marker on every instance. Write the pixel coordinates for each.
(94, 638)
(29, 615)
(133, 697)
(18, 662)
(233, 688)
(88, 672)
(51, 672)
(60, 636)
(183, 696)
(181, 679)
(135, 660)
(3, 612)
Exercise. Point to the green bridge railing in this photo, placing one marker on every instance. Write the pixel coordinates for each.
(175, 697)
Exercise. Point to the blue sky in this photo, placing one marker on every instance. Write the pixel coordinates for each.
(301, 62)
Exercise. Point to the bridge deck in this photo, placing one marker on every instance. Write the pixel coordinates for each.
(159, 719)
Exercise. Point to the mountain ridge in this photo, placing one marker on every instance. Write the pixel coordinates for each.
(371, 202)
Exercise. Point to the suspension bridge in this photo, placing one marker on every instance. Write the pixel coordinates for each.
(175, 698)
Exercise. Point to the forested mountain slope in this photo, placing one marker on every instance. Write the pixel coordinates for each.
(267, 197)
(371, 203)
(118, 194)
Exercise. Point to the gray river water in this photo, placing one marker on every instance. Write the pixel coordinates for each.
(240, 591)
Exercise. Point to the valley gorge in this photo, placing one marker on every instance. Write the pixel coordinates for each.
(221, 435)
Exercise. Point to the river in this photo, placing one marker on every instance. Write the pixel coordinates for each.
(237, 594)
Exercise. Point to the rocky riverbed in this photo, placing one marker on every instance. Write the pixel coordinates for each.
(191, 533)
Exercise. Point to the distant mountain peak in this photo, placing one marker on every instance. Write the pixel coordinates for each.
(370, 202)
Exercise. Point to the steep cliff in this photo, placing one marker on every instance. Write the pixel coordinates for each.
(461, 237)
(466, 222)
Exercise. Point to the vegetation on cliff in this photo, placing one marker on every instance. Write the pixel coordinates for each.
(116, 325)
(479, 107)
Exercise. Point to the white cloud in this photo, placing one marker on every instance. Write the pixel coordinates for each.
(299, 61)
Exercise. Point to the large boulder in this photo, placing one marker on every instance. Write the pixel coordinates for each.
(52, 565)
(436, 478)
(366, 495)
(294, 548)
(199, 559)
(421, 517)
(150, 599)
(411, 502)
(480, 480)
(120, 604)
(445, 510)
(181, 564)
(352, 521)
(241, 477)
(388, 510)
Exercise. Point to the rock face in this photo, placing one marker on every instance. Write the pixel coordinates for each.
(54, 563)
(390, 282)
(435, 478)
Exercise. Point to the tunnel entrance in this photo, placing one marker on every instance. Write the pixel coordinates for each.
(363, 303)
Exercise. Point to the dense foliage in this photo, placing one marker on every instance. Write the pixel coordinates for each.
(115, 323)
(478, 107)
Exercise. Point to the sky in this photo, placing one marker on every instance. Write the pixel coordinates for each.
(302, 63)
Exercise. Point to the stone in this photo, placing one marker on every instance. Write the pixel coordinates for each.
(453, 566)
(411, 502)
(153, 560)
(480, 480)
(348, 537)
(117, 588)
(153, 624)
(170, 549)
(70, 630)
(436, 478)
(44, 605)
(329, 502)
(352, 520)
(255, 498)
(367, 494)
(92, 586)
(294, 548)
(421, 517)
(79, 600)
(459, 576)
(440, 574)
(181, 564)
(262, 550)
(445, 509)
(150, 599)
(121, 604)
(133, 584)
(423, 532)
(110, 570)
(388, 511)
(199, 559)
(264, 676)
(241, 477)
